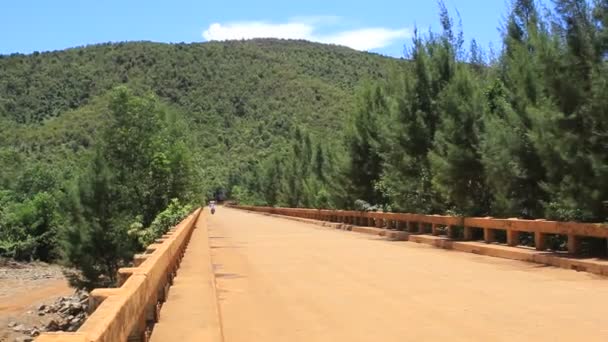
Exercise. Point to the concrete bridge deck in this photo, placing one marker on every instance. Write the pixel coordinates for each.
(280, 280)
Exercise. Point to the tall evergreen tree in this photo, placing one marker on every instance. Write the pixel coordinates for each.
(513, 170)
(96, 241)
(407, 175)
(272, 180)
(571, 135)
(365, 145)
(458, 174)
(320, 164)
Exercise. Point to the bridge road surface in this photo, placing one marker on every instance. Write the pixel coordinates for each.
(281, 280)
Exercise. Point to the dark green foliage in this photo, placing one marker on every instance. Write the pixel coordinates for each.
(407, 177)
(511, 164)
(29, 228)
(95, 241)
(132, 176)
(145, 146)
(525, 136)
(365, 143)
(458, 174)
(301, 176)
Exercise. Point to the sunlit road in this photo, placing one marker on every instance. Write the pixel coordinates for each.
(281, 280)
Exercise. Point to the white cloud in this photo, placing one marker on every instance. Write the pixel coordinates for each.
(257, 29)
(363, 39)
(367, 38)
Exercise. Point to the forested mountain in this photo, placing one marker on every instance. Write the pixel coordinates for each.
(239, 98)
(130, 126)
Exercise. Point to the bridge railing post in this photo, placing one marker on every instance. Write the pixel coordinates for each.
(540, 241)
(489, 235)
(434, 229)
(574, 244)
(512, 237)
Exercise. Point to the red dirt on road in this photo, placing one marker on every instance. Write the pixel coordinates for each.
(280, 280)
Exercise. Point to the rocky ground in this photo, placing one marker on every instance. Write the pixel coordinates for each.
(15, 276)
(35, 297)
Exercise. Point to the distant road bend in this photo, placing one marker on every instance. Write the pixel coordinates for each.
(280, 280)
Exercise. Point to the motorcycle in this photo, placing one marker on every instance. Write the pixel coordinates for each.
(212, 211)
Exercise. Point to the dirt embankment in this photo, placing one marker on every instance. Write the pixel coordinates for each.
(24, 289)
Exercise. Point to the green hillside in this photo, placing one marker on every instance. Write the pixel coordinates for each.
(240, 98)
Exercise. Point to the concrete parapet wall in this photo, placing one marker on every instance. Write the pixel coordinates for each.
(125, 313)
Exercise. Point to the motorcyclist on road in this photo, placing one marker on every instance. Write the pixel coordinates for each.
(212, 206)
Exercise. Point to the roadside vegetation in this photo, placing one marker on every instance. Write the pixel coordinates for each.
(522, 132)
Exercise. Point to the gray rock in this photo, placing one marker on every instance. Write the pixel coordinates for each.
(12, 324)
(75, 307)
(19, 328)
(64, 325)
(24, 339)
(52, 325)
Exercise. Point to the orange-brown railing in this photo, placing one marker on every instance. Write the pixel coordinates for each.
(436, 224)
(127, 312)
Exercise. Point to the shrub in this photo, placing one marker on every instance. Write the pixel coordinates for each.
(171, 216)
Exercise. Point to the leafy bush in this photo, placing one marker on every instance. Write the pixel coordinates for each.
(28, 229)
(166, 219)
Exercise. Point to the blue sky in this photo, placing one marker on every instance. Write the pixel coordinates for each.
(378, 26)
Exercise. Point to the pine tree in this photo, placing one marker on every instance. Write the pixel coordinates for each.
(96, 241)
(512, 166)
(365, 142)
(477, 58)
(407, 175)
(319, 164)
(571, 135)
(458, 174)
(272, 180)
